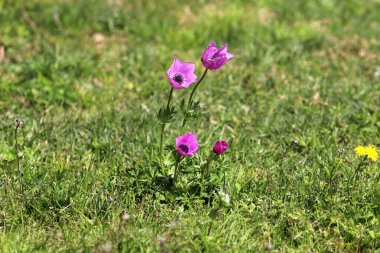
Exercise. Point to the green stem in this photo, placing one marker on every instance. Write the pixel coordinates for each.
(353, 184)
(224, 180)
(176, 172)
(357, 170)
(206, 167)
(190, 101)
(163, 129)
(209, 161)
(209, 229)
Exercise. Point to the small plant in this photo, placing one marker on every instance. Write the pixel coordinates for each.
(369, 153)
(181, 75)
(219, 148)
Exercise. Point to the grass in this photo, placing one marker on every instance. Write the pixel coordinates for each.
(87, 78)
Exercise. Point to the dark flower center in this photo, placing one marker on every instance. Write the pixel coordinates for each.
(178, 78)
(184, 148)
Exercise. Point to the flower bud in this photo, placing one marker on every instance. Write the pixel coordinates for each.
(220, 147)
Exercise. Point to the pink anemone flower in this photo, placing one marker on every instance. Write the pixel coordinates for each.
(214, 58)
(181, 74)
(187, 144)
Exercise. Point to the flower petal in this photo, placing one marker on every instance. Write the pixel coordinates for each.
(171, 69)
(229, 56)
(222, 51)
(189, 79)
(212, 44)
(218, 62)
(186, 67)
(193, 147)
(209, 52)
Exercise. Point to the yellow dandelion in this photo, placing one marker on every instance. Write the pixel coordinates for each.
(371, 153)
(361, 150)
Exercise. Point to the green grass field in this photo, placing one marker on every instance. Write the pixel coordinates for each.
(87, 78)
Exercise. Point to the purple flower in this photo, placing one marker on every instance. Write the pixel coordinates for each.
(181, 74)
(214, 58)
(187, 144)
(220, 147)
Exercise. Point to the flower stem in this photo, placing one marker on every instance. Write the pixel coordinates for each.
(204, 168)
(190, 101)
(351, 184)
(357, 170)
(224, 180)
(163, 129)
(176, 172)
(209, 161)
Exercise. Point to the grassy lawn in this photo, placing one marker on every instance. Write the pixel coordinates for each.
(87, 78)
